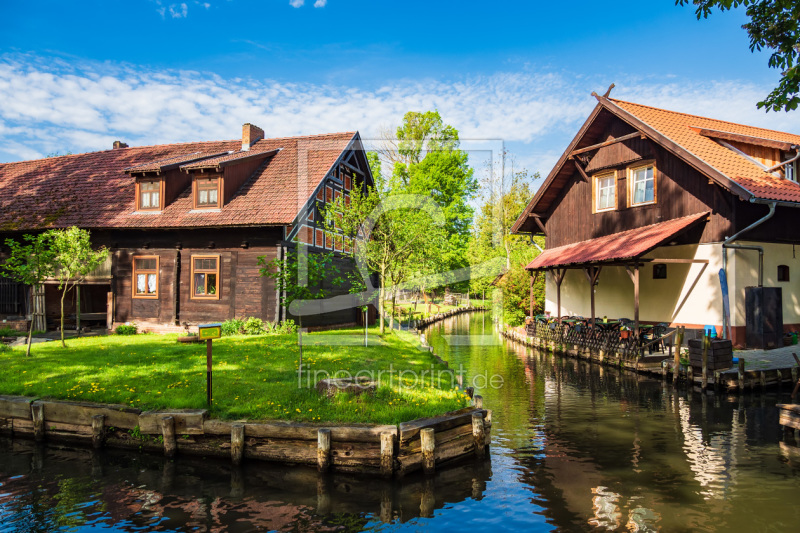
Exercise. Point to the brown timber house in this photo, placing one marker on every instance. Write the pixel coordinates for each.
(185, 225)
(646, 207)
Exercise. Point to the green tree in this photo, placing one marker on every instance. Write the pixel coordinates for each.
(392, 235)
(74, 259)
(774, 25)
(302, 276)
(30, 263)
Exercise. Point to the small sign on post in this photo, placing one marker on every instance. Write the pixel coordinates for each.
(209, 332)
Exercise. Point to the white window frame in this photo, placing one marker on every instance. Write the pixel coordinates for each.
(632, 184)
(597, 180)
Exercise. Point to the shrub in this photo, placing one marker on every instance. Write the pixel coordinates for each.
(253, 326)
(9, 332)
(234, 326)
(4, 348)
(127, 329)
(286, 327)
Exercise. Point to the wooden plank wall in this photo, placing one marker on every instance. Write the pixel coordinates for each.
(681, 191)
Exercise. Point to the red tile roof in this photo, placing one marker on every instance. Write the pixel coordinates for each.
(92, 190)
(681, 128)
(171, 162)
(617, 246)
(224, 160)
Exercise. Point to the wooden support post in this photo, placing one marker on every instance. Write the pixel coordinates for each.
(717, 379)
(636, 299)
(478, 401)
(676, 364)
(98, 430)
(559, 274)
(470, 391)
(762, 378)
(37, 414)
(592, 273)
(706, 346)
(168, 432)
(323, 449)
(428, 448)
(741, 375)
(690, 377)
(387, 454)
(479, 434)
(237, 443)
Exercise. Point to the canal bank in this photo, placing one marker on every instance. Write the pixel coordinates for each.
(575, 447)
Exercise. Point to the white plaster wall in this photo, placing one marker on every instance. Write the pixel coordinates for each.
(691, 293)
(744, 265)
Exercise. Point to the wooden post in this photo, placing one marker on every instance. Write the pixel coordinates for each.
(237, 443)
(706, 346)
(78, 309)
(676, 364)
(323, 449)
(717, 379)
(37, 414)
(387, 453)
(208, 371)
(479, 434)
(762, 378)
(168, 432)
(428, 448)
(478, 400)
(592, 273)
(741, 375)
(98, 431)
(109, 310)
(690, 377)
(559, 277)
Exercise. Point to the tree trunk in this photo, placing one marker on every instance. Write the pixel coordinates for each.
(394, 309)
(63, 295)
(381, 294)
(366, 326)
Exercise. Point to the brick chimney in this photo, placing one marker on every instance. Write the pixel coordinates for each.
(250, 134)
(119, 144)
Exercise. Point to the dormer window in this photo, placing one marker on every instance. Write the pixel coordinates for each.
(149, 195)
(791, 171)
(206, 193)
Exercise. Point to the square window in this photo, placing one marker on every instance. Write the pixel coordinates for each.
(643, 185)
(207, 193)
(145, 276)
(149, 195)
(205, 277)
(783, 273)
(659, 271)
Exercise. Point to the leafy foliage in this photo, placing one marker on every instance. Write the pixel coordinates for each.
(253, 326)
(233, 326)
(774, 24)
(127, 329)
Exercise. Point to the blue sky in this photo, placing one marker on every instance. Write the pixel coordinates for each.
(77, 75)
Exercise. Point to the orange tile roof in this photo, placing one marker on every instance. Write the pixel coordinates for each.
(678, 128)
(227, 158)
(92, 190)
(623, 245)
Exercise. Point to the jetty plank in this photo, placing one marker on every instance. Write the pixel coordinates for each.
(409, 430)
(15, 407)
(82, 412)
(187, 421)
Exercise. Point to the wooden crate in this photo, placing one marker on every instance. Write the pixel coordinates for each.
(720, 355)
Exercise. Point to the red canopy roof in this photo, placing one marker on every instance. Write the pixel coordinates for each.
(624, 245)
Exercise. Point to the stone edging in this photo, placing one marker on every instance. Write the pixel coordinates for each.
(423, 444)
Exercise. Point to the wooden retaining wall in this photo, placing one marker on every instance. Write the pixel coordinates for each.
(425, 322)
(375, 449)
(660, 365)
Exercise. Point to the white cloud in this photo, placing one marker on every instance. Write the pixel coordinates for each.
(178, 10)
(297, 3)
(321, 3)
(49, 105)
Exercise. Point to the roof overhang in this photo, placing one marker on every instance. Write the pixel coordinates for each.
(617, 247)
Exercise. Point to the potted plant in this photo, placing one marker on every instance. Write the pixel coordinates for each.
(624, 332)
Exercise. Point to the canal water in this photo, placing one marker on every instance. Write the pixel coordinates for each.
(575, 447)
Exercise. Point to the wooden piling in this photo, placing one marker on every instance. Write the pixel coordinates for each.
(478, 401)
(387, 453)
(323, 449)
(428, 444)
(762, 378)
(98, 430)
(706, 345)
(741, 375)
(168, 432)
(479, 434)
(37, 414)
(237, 443)
(676, 363)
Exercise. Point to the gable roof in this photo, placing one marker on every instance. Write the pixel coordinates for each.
(93, 190)
(687, 137)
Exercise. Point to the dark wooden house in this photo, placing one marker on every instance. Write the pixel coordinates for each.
(185, 223)
(645, 207)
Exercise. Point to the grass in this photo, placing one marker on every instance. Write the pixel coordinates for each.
(255, 377)
(422, 308)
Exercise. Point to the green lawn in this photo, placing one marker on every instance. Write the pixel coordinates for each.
(422, 308)
(255, 377)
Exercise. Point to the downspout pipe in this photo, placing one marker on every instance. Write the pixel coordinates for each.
(760, 249)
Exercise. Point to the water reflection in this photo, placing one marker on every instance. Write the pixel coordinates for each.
(45, 488)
